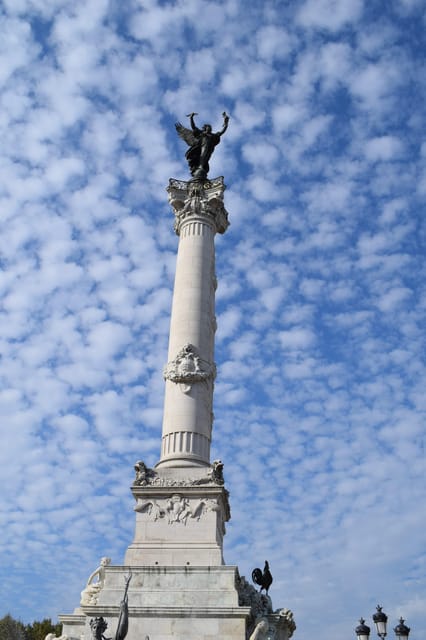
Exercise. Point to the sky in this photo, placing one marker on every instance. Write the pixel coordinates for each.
(320, 396)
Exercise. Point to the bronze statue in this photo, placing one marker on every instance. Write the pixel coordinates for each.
(264, 580)
(201, 144)
(123, 619)
(99, 625)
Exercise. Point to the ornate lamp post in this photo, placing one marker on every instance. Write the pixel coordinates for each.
(362, 631)
(380, 620)
(401, 630)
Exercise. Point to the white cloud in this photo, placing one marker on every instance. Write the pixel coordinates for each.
(247, 77)
(330, 15)
(383, 148)
(320, 303)
(373, 83)
(274, 42)
(336, 61)
(287, 116)
(229, 323)
(392, 298)
(296, 338)
(260, 154)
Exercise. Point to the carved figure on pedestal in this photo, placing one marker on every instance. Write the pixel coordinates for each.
(143, 473)
(99, 625)
(259, 604)
(216, 472)
(178, 509)
(202, 143)
(90, 594)
(51, 636)
(260, 630)
(286, 615)
(204, 506)
(153, 509)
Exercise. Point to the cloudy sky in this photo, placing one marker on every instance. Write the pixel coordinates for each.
(320, 398)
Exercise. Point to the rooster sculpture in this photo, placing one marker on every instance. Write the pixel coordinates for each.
(263, 579)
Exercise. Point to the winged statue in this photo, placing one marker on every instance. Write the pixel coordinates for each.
(202, 143)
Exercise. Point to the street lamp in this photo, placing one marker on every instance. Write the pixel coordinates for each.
(380, 620)
(401, 630)
(363, 630)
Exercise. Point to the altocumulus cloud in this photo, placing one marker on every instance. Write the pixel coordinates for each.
(319, 403)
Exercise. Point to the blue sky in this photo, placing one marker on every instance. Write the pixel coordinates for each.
(320, 395)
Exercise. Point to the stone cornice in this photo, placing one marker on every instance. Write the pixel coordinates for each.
(170, 612)
(212, 476)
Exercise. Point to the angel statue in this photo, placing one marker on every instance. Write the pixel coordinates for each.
(201, 144)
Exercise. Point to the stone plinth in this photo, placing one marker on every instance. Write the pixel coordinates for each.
(182, 603)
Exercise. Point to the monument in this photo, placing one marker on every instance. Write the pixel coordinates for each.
(180, 586)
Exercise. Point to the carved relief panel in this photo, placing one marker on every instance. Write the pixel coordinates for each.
(176, 509)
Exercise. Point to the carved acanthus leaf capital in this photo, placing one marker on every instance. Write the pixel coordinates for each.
(198, 198)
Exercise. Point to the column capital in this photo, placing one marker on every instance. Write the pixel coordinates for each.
(198, 199)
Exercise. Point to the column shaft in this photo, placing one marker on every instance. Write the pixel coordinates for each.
(190, 372)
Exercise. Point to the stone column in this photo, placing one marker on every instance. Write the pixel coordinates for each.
(190, 371)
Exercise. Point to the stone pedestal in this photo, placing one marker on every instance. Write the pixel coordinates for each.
(180, 518)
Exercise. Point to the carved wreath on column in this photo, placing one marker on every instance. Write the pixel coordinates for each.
(188, 368)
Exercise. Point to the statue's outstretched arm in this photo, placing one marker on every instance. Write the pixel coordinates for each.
(225, 123)
(191, 120)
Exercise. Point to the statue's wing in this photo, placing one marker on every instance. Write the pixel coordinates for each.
(185, 134)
